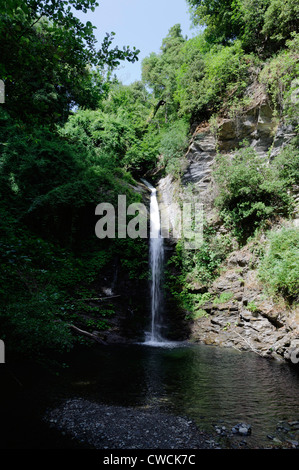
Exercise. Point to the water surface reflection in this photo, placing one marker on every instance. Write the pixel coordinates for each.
(210, 385)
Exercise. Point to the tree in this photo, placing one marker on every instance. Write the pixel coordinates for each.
(190, 92)
(49, 60)
(220, 17)
(207, 75)
(159, 70)
(263, 26)
(281, 19)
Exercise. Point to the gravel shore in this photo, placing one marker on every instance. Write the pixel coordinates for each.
(113, 427)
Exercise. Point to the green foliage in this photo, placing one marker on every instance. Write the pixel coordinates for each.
(190, 87)
(50, 185)
(220, 19)
(263, 26)
(173, 143)
(47, 55)
(196, 314)
(226, 327)
(281, 20)
(279, 76)
(133, 254)
(200, 267)
(207, 76)
(223, 298)
(279, 268)
(142, 156)
(36, 162)
(287, 165)
(159, 70)
(252, 307)
(116, 135)
(227, 67)
(110, 134)
(71, 136)
(250, 191)
(38, 282)
(33, 328)
(54, 182)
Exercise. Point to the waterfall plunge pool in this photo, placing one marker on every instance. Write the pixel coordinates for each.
(209, 385)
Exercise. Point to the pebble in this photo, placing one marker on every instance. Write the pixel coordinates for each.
(278, 441)
(243, 443)
(242, 428)
(294, 443)
(125, 427)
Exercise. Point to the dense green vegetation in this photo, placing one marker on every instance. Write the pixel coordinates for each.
(251, 191)
(72, 136)
(262, 26)
(279, 268)
(56, 166)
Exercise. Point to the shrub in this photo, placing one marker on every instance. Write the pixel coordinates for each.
(250, 191)
(287, 164)
(279, 268)
(223, 298)
(208, 76)
(279, 74)
(172, 146)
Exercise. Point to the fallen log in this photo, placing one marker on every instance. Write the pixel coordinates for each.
(102, 298)
(86, 333)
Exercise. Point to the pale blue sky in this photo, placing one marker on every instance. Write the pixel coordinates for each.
(139, 23)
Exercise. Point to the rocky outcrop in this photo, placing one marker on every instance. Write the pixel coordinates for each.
(257, 125)
(169, 193)
(238, 314)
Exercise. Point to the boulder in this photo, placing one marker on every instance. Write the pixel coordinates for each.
(242, 428)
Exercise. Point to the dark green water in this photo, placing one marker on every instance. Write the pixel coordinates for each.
(208, 384)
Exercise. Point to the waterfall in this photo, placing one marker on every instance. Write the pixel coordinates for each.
(156, 268)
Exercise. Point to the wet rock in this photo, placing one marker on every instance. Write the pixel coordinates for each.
(239, 258)
(293, 423)
(284, 134)
(238, 296)
(217, 321)
(284, 429)
(277, 441)
(294, 444)
(243, 443)
(242, 428)
(246, 315)
(221, 430)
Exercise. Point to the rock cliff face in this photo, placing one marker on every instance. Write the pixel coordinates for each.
(248, 320)
(257, 125)
(240, 316)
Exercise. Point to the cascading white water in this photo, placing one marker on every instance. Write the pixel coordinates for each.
(156, 267)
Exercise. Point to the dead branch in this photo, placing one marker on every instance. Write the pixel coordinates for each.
(86, 333)
(251, 347)
(102, 298)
